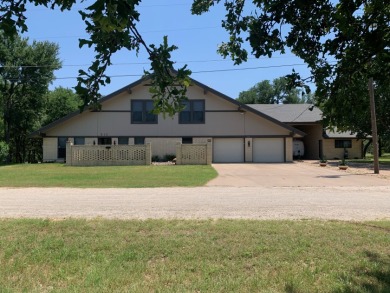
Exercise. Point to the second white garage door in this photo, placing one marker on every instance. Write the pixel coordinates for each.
(228, 150)
(268, 150)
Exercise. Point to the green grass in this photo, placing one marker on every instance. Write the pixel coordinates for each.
(194, 256)
(383, 160)
(59, 175)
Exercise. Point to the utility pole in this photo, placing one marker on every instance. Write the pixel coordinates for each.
(373, 126)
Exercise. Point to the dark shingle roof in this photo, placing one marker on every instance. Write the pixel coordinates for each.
(298, 113)
(290, 113)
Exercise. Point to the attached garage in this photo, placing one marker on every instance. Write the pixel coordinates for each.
(228, 150)
(268, 150)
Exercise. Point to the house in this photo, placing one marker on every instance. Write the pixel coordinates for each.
(318, 142)
(236, 132)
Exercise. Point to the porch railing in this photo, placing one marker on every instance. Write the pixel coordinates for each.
(108, 155)
(193, 154)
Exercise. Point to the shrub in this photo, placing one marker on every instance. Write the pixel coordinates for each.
(169, 157)
(156, 159)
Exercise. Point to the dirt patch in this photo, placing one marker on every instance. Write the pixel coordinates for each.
(355, 168)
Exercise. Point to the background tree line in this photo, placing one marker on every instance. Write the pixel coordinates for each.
(275, 92)
(26, 70)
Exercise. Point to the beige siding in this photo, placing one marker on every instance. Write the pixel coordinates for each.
(201, 140)
(289, 149)
(118, 124)
(122, 101)
(222, 120)
(50, 149)
(331, 152)
(90, 140)
(163, 146)
(229, 122)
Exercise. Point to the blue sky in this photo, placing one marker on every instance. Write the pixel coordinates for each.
(196, 36)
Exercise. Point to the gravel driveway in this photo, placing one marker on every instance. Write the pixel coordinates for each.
(283, 199)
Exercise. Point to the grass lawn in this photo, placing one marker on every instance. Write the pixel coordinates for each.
(59, 175)
(194, 256)
(383, 160)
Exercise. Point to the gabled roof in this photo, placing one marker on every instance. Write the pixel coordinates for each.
(290, 113)
(128, 88)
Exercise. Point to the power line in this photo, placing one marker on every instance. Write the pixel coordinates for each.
(249, 68)
(142, 32)
(141, 63)
(203, 71)
(193, 72)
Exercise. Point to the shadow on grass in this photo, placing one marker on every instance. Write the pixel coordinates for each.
(372, 278)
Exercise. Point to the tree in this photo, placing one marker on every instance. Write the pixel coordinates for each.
(25, 73)
(333, 37)
(340, 41)
(348, 108)
(112, 26)
(60, 102)
(261, 93)
(276, 92)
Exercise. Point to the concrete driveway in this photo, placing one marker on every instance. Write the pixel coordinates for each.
(298, 174)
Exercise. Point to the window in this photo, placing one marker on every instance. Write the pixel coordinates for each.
(141, 112)
(79, 140)
(342, 143)
(61, 154)
(104, 140)
(193, 113)
(186, 140)
(123, 140)
(139, 140)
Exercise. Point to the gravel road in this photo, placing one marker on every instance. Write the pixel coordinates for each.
(343, 203)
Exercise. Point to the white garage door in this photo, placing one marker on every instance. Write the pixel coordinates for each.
(268, 150)
(228, 150)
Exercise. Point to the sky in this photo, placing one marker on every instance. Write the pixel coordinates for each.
(197, 39)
